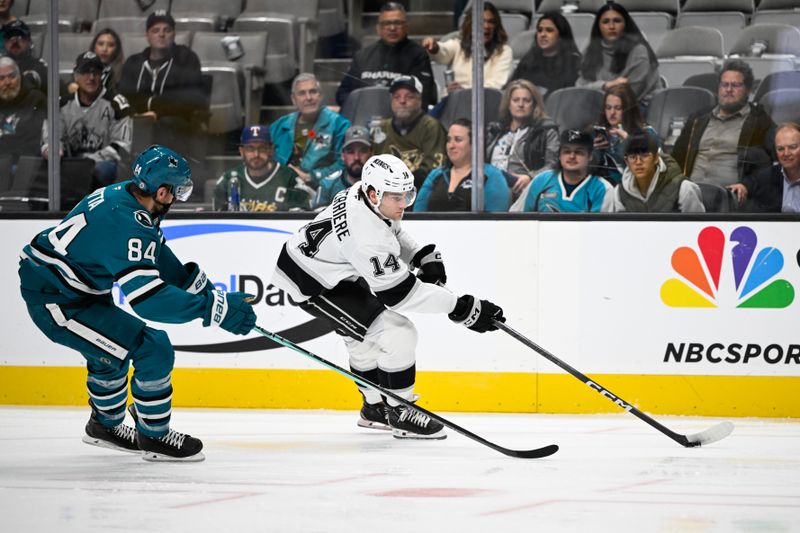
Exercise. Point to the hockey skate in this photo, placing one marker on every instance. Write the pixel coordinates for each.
(173, 446)
(408, 423)
(373, 416)
(120, 438)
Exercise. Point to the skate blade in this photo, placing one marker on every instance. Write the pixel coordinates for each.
(92, 441)
(161, 458)
(369, 424)
(400, 434)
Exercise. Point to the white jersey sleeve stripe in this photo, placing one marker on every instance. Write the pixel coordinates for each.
(86, 333)
(136, 273)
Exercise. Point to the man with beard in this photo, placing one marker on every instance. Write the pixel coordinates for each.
(392, 56)
(416, 138)
(22, 111)
(730, 141)
(95, 124)
(259, 183)
(17, 43)
(67, 272)
(355, 152)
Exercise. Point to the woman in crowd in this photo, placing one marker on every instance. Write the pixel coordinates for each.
(553, 60)
(449, 187)
(525, 140)
(108, 47)
(619, 116)
(618, 53)
(457, 53)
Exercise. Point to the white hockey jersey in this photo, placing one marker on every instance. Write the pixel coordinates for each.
(349, 240)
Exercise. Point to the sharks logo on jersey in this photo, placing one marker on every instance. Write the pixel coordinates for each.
(143, 218)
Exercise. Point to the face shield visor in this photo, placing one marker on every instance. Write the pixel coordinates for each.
(394, 198)
(183, 191)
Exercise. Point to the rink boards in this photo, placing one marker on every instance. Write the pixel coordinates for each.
(690, 317)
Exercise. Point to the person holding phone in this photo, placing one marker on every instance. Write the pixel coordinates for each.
(620, 115)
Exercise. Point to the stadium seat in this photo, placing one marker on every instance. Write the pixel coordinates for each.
(70, 45)
(777, 38)
(707, 80)
(514, 23)
(777, 80)
(777, 17)
(282, 57)
(227, 113)
(688, 51)
(574, 107)
(582, 6)
(304, 12)
(121, 25)
(222, 13)
(669, 109)
(743, 6)
(729, 23)
(716, 199)
(129, 8)
(331, 18)
(459, 105)
(521, 43)
(653, 6)
(72, 13)
(783, 105)
(363, 104)
(654, 25)
(512, 6)
(777, 4)
(133, 43)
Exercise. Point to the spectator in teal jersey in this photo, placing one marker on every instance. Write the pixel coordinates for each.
(356, 150)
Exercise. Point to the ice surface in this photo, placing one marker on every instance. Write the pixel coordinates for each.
(310, 471)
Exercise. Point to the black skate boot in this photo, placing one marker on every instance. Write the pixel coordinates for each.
(408, 423)
(121, 437)
(373, 416)
(173, 446)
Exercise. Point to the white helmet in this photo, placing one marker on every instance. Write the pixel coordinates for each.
(387, 173)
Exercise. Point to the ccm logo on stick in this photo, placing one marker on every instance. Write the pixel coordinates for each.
(594, 386)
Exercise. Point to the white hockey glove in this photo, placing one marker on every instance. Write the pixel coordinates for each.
(477, 315)
(431, 267)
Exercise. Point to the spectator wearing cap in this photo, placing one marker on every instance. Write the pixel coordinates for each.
(164, 82)
(356, 150)
(309, 140)
(393, 55)
(653, 184)
(570, 188)
(17, 43)
(5, 17)
(95, 123)
(449, 187)
(22, 110)
(260, 183)
(416, 138)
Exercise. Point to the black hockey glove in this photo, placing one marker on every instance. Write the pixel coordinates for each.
(477, 315)
(231, 311)
(431, 268)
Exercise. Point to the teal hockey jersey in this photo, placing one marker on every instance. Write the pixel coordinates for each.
(110, 237)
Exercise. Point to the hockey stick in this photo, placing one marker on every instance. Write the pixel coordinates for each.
(522, 454)
(712, 434)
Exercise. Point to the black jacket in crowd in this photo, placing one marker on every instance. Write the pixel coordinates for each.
(764, 190)
(177, 89)
(380, 64)
(21, 122)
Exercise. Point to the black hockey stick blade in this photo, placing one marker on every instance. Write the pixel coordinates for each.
(535, 453)
(712, 434)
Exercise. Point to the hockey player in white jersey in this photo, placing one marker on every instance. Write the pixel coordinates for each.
(352, 265)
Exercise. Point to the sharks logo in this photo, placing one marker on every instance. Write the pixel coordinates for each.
(172, 162)
(143, 218)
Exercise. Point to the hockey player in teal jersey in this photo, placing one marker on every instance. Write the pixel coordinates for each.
(66, 273)
(570, 188)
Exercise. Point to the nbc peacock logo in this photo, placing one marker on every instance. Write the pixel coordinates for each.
(754, 271)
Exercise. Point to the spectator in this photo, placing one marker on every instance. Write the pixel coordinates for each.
(5, 17)
(22, 110)
(618, 53)
(416, 138)
(17, 42)
(108, 47)
(620, 115)
(733, 140)
(259, 184)
(449, 188)
(309, 140)
(653, 184)
(95, 123)
(525, 140)
(776, 188)
(356, 150)
(570, 188)
(457, 53)
(553, 61)
(392, 56)
(164, 83)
